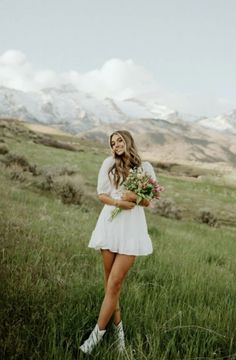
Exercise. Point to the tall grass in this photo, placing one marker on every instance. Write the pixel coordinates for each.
(178, 303)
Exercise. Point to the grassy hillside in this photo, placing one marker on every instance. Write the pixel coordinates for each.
(178, 303)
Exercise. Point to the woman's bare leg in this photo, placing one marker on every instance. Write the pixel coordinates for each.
(120, 267)
(108, 260)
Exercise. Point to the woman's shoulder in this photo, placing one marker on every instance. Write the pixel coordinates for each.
(147, 166)
(107, 162)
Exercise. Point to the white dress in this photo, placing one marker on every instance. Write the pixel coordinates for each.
(127, 233)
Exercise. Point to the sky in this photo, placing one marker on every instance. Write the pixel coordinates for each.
(182, 52)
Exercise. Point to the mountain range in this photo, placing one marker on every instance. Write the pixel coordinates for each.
(159, 131)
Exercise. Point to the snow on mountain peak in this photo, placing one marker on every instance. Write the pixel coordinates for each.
(223, 122)
(67, 104)
(78, 111)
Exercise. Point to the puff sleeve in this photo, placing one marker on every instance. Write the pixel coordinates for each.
(148, 168)
(104, 183)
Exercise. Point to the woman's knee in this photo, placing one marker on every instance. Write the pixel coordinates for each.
(114, 284)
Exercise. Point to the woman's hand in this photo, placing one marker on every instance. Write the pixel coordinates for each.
(126, 205)
(144, 202)
(128, 195)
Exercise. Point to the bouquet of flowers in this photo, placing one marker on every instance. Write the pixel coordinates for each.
(142, 185)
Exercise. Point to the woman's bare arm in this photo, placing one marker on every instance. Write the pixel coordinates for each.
(123, 204)
(131, 196)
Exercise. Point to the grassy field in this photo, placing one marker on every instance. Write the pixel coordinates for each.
(178, 303)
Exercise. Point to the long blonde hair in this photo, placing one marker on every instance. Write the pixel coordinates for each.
(123, 163)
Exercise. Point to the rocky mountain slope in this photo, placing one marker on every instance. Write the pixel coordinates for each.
(161, 133)
(178, 142)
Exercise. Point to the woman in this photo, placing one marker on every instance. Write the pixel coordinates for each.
(121, 239)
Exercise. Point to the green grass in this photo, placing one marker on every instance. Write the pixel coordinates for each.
(192, 195)
(178, 303)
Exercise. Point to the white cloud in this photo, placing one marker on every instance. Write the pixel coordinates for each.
(119, 78)
(13, 58)
(116, 79)
(15, 71)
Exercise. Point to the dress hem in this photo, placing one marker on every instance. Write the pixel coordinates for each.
(122, 252)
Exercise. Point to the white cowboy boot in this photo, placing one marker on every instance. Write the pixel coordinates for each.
(120, 336)
(94, 338)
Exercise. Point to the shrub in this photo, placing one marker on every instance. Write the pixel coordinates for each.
(15, 159)
(3, 149)
(164, 165)
(69, 189)
(205, 216)
(20, 160)
(50, 174)
(16, 173)
(58, 171)
(45, 183)
(54, 143)
(167, 208)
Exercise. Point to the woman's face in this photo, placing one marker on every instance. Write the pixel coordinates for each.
(117, 144)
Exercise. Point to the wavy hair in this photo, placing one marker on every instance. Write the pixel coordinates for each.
(128, 160)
